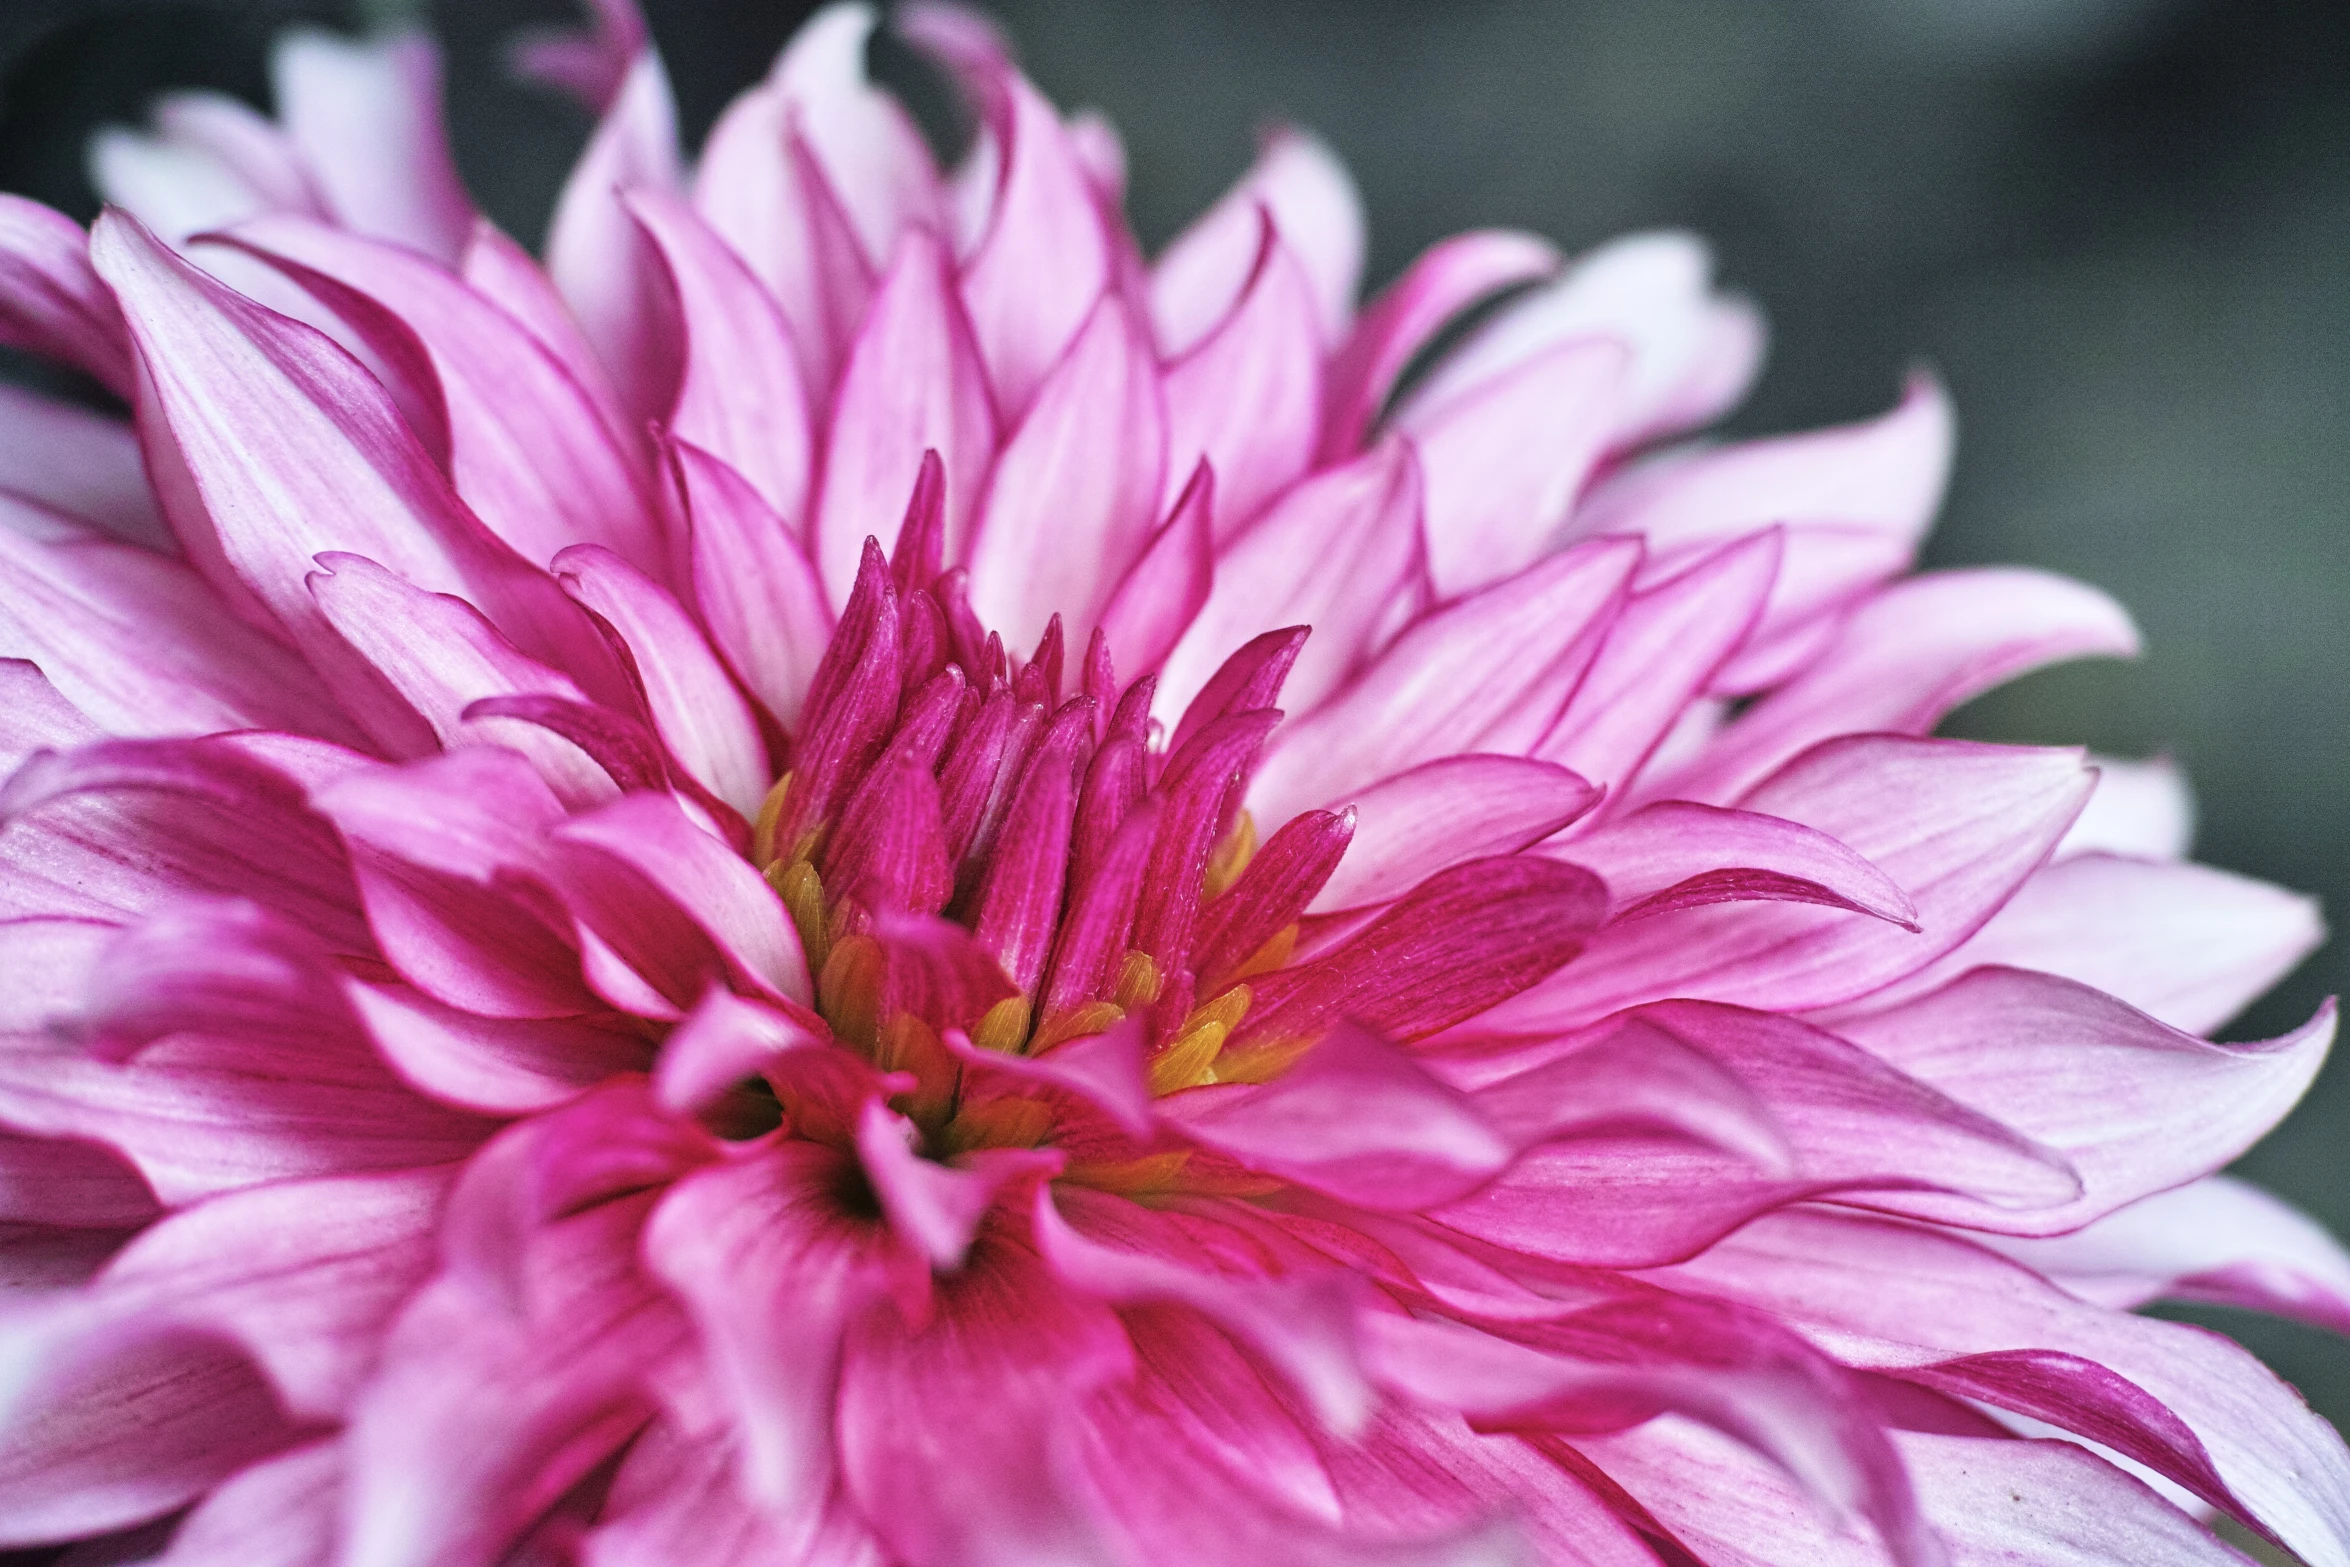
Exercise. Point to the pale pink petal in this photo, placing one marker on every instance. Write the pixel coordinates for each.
(366, 118)
(1248, 399)
(2218, 1240)
(303, 1275)
(1887, 474)
(1506, 459)
(1662, 651)
(1201, 276)
(702, 718)
(529, 450)
(1676, 855)
(281, 446)
(110, 1424)
(1076, 489)
(281, 1512)
(912, 383)
(1275, 573)
(2186, 943)
(35, 717)
(84, 464)
(438, 656)
(51, 303)
(506, 275)
(608, 271)
(1411, 826)
(740, 396)
(439, 851)
(1906, 657)
(868, 145)
(2144, 809)
(1689, 354)
(1449, 277)
(722, 1042)
(494, 1065)
(1824, 569)
(676, 1499)
(137, 641)
(753, 583)
(1503, 661)
(705, 881)
(935, 1209)
(1956, 826)
(2136, 1106)
(1163, 592)
(1032, 277)
(1908, 1300)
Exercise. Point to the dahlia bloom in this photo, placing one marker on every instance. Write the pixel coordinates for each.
(710, 905)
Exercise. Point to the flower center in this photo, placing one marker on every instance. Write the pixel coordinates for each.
(1020, 853)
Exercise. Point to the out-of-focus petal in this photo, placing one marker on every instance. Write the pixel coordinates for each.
(366, 117)
(1204, 271)
(51, 302)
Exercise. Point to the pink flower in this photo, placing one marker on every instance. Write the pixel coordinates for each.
(840, 981)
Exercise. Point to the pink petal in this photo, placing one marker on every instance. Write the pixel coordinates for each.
(282, 447)
(702, 718)
(447, 855)
(954, 1437)
(741, 397)
(2218, 1240)
(606, 269)
(1019, 906)
(912, 383)
(114, 1426)
(1675, 855)
(529, 449)
(1286, 875)
(439, 656)
(303, 1275)
(676, 1498)
(1410, 826)
(81, 463)
(51, 303)
(2144, 809)
(494, 1065)
(1448, 277)
(1276, 574)
(1906, 657)
(1354, 1118)
(1507, 458)
(1690, 354)
(1908, 1300)
(1248, 399)
(1956, 826)
(1505, 660)
(1162, 594)
(2188, 944)
(2136, 1106)
(506, 275)
(1887, 474)
(1824, 569)
(1663, 650)
(366, 118)
(1032, 277)
(137, 641)
(1298, 181)
(588, 62)
(724, 1040)
(696, 877)
(70, 1185)
(935, 1209)
(757, 592)
(281, 1512)
(752, 1238)
(1076, 488)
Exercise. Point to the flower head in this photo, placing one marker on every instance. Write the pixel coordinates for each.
(853, 880)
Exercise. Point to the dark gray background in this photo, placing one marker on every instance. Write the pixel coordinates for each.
(2116, 226)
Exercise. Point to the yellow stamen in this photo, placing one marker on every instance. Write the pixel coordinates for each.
(849, 990)
(1232, 855)
(999, 1123)
(802, 892)
(907, 1045)
(1272, 955)
(1190, 1061)
(1138, 982)
(770, 818)
(1093, 1017)
(1005, 1028)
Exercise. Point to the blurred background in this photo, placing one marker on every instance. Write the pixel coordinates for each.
(2117, 227)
